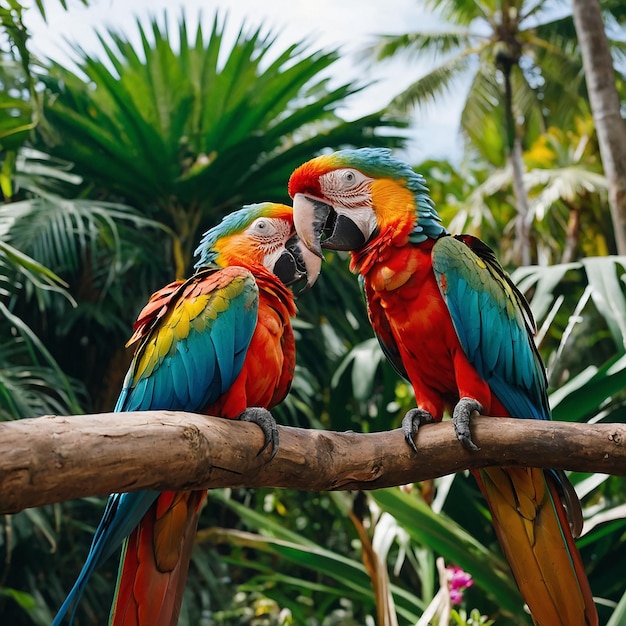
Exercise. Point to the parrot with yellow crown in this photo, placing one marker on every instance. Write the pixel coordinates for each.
(452, 322)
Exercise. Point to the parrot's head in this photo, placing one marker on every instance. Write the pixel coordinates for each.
(258, 235)
(351, 198)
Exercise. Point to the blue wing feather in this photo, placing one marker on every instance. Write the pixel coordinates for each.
(195, 370)
(199, 367)
(180, 375)
(501, 345)
(493, 324)
(223, 340)
(205, 359)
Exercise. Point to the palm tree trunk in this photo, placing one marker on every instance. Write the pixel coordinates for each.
(605, 107)
(521, 245)
(571, 235)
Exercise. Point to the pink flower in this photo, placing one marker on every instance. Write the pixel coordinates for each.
(458, 581)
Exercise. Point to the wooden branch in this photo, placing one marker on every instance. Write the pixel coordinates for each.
(51, 459)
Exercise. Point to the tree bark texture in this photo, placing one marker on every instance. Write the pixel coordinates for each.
(53, 458)
(605, 107)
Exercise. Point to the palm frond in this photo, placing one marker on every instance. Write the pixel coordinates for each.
(462, 11)
(433, 84)
(193, 132)
(62, 233)
(31, 381)
(567, 183)
(418, 44)
(166, 96)
(19, 269)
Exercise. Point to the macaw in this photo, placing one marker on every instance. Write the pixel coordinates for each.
(451, 321)
(219, 343)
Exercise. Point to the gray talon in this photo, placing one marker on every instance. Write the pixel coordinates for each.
(265, 421)
(411, 423)
(461, 418)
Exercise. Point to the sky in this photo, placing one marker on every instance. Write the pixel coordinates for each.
(345, 24)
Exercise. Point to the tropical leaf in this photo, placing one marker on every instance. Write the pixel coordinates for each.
(14, 263)
(461, 11)
(619, 614)
(62, 233)
(350, 577)
(191, 133)
(542, 281)
(602, 277)
(446, 538)
(34, 390)
(585, 396)
(364, 360)
(436, 43)
(435, 83)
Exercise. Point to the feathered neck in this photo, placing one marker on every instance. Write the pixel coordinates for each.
(428, 223)
(405, 213)
(270, 285)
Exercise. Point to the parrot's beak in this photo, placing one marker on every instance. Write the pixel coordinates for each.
(309, 218)
(296, 263)
(319, 226)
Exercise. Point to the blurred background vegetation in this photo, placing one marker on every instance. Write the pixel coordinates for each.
(110, 169)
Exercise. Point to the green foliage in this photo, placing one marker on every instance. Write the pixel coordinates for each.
(532, 42)
(579, 308)
(92, 245)
(456, 545)
(20, 103)
(143, 148)
(187, 135)
(314, 580)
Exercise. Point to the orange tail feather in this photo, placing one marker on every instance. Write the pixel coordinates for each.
(535, 536)
(155, 561)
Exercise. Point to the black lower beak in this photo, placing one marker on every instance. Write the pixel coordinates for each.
(344, 234)
(290, 266)
(320, 226)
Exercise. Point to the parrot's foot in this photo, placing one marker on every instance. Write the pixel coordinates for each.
(264, 420)
(461, 417)
(411, 423)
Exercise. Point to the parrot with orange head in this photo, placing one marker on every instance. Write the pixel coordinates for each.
(219, 343)
(452, 322)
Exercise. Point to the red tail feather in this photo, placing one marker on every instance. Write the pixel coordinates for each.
(155, 562)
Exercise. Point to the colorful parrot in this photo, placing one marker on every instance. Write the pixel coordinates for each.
(219, 343)
(453, 323)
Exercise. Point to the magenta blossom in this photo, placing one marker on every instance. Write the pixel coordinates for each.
(458, 581)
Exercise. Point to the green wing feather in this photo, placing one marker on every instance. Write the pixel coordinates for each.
(493, 322)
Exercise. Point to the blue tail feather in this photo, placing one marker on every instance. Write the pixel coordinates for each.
(122, 514)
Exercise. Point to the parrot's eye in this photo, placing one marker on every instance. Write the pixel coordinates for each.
(350, 178)
(340, 181)
(262, 226)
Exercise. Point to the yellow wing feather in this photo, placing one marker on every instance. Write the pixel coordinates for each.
(195, 304)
